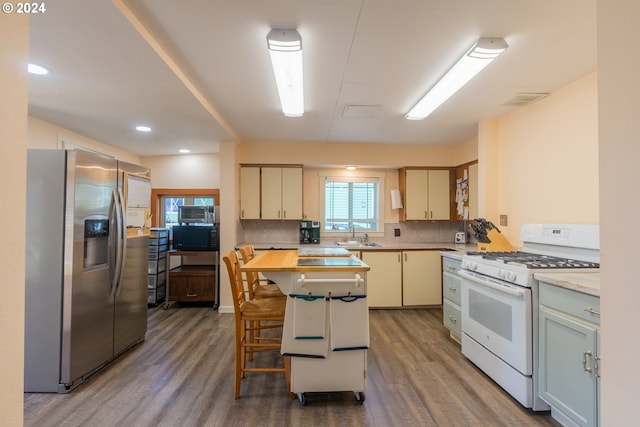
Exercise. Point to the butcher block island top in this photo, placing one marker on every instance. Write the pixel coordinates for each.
(290, 261)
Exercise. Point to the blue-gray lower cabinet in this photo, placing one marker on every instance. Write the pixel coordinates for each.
(569, 354)
(451, 291)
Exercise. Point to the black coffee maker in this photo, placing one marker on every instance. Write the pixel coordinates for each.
(310, 232)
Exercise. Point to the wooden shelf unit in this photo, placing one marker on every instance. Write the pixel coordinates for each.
(194, 282)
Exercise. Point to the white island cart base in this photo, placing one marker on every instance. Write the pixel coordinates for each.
(337, 371)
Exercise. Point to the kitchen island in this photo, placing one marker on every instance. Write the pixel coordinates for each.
(326, 327)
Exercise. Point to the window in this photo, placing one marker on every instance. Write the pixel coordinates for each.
(352, 204)
(170, 207)
(165, 202)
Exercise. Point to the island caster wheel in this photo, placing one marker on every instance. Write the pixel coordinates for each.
(359, 396)
(302, 399)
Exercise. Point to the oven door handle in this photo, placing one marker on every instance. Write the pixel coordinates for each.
(487, 282)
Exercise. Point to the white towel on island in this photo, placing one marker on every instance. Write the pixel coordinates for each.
(310, 313)
(315, 348)
(349, 323)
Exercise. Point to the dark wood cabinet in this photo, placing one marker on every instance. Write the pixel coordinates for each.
(193, 283)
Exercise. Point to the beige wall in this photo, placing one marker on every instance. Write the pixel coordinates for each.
(43, 134)
(14, 45)
(184, 171)
(547, 160)
(619, 128)
(329, 154)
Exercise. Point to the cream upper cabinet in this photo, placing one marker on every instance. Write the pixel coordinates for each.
(415, 195)
(281, 193)
(249, 192)
(421, 278)
(271, 193)
(292, 193)
(426, 194)
(439, 194)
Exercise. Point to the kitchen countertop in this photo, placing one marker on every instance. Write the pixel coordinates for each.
(287, 261)
(446, 247)
(587, 283)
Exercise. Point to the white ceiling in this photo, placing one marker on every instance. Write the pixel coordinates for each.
(207, 77)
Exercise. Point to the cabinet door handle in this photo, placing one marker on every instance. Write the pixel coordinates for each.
(242, 213)
(278, 213)
(453, 319)
(592, 311)
(425, 215)
(284, 214)
(192, 295)
(405, 257)
(596, 366)
(451, 268)
(452, 289)
(584, 360)
(399, 259)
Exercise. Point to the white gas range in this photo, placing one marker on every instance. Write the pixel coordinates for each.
(500, 302)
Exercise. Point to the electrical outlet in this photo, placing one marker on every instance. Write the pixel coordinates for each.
(396, 232)
(504, 220)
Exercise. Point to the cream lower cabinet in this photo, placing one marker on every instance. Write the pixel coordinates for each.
(569, 355)
(403, 278)
(421, 279)
(384, 280)
(281, 191)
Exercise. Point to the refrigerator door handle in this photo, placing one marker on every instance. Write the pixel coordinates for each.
(122, 240)
(117, 208)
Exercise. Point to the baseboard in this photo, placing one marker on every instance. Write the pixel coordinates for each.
(225, 309)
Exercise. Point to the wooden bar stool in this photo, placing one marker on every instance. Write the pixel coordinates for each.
(256, 287)
(253, 316)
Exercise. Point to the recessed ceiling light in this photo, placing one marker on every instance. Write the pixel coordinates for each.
(143, 128)
(184, 150)
(37, 69)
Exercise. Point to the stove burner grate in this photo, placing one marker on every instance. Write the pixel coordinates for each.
(534, 261)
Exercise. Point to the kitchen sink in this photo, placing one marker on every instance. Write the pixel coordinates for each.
(356, 244)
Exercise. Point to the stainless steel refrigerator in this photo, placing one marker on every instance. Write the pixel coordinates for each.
(86, 281)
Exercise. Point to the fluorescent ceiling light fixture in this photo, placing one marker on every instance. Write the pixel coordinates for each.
(143, 128)
(474, 60)
(37, 69)
(184, 150)
(350, 168)
(285, 49)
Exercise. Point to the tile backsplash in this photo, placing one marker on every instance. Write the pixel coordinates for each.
(410, 232)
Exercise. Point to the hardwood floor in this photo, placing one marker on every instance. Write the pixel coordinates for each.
(182, 375)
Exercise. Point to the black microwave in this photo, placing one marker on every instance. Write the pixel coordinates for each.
(195, 237)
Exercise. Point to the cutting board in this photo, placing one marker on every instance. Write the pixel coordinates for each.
(323, 252)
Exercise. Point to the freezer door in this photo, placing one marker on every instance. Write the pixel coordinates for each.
(87, 326)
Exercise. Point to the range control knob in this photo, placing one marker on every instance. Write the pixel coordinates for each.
(470, 265)
(507, 275)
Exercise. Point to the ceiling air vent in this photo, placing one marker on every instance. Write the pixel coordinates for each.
(360, 111)
(521, 99)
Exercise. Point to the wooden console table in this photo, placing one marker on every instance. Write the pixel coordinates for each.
(193, 282)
